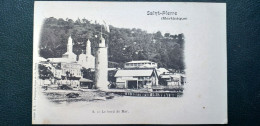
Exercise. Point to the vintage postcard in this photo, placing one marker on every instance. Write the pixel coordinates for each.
(129, 63)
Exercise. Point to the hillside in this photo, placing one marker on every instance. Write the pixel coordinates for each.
(124, 44)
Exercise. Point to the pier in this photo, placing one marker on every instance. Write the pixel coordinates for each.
(140, 93)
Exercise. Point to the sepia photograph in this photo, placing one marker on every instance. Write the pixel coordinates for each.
(129, 63)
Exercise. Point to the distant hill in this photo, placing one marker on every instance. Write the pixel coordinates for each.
(124, 44)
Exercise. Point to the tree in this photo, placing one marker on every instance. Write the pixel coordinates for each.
(124, 44)
(44, 72)
(167, 35)
(158, 35)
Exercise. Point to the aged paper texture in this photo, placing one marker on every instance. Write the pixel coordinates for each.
(129, 63)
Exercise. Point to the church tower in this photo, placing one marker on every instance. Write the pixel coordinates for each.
(101, 65)
(90, 59)
(88, 48)
(87, 60)
(70, 45)
(71, 57)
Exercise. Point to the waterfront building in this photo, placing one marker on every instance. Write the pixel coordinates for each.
(162, 71)
(173, 79)
(140, 64)
(136, 78)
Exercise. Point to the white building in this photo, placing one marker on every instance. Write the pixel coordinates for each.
(68, 63)
(162, 71)
(136, 78)
(140, 64)
(67, 57)
(174, 79)
(87, 60)
(73, 69)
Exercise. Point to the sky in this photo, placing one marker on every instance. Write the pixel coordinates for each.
(118, 14)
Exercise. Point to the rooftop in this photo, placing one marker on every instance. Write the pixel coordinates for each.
(136, 72)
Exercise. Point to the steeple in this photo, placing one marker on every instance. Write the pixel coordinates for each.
(88, 48)
(69, 46)
(69, 54)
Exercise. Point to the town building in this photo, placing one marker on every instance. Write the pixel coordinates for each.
(71, 69)
(68, 57)
(173, 79)
(136, 78)
(140, 64)
(66, 68)
(87, 60)
(162, 71)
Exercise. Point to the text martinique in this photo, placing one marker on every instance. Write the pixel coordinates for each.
(173, 18)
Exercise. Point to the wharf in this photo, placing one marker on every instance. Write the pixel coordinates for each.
(145, 93)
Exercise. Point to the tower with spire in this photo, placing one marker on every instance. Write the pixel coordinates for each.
(71, 57)
(101, 65)
(87, 60)
(89, 57)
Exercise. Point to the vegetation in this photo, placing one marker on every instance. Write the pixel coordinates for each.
(44, 72)
(87, 73)
(124, 44)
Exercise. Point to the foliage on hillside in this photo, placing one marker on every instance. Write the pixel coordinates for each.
(124, 44)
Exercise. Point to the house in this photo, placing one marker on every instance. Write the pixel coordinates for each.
(136, 78)
(172, 79)
(71, 69)
(140, 64)
(162, 71)
(67, 64)
(181, 77)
